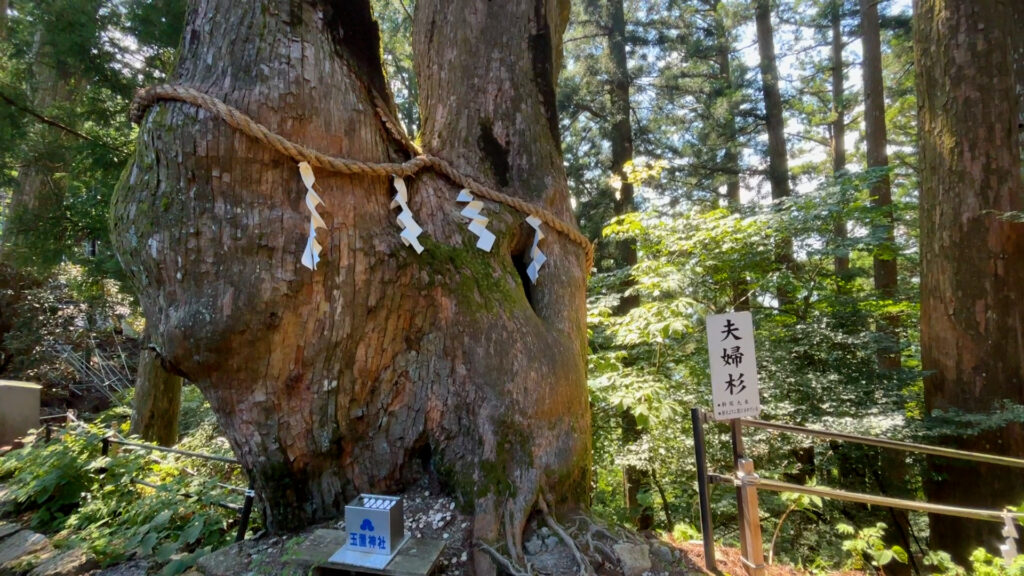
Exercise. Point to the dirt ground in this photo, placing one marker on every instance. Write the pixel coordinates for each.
(728, 561)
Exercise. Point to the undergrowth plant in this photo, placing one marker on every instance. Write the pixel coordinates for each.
(97, 503)
(982, 564)
(867, 548)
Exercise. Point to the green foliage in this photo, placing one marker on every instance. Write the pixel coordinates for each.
(817, 358)
(96, 503)
(982, 564)
(68, 70)
(867, 548)
(395, 20)
(51, 479)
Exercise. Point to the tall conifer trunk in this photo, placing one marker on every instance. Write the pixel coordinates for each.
(350, 378)
(876, 140)
(3, 19)
(157, 404)
(972, 284)
(778, 161)
(893, 464)
(634, 478)
(841, 261)
(725, 87)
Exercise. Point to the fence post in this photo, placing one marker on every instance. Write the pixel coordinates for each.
(105, 450)
(736, 436)
(750, 521)
(48, 434)
(706, 530)
(243, 516)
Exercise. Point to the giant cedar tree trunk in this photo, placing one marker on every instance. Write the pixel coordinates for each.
(972, 285)
(349, 378)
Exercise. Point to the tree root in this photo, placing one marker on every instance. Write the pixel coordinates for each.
(585, 568)
(505, 563)
(514, 541)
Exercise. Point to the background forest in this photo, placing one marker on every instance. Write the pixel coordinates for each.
(723, 154)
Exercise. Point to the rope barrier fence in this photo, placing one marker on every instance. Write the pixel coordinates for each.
(869, 499)
(747, 482)
(886, 443)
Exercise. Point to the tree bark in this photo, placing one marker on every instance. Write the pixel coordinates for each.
(157, 404)
(634, 478)
(3, 19)
(778, 162)
(621, 135)
(841, 262)
(725, 87)
(892, 463)
(972, 287)
(1018, 58)
(349, 378)
(876, 140)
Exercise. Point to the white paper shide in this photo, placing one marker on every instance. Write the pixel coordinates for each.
(734, 389)
(311, 255)
(477, 221)
(1009, 547)
(410, 229)
(537, 258)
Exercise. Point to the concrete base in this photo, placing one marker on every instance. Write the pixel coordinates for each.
(19, 409)
(417, 557)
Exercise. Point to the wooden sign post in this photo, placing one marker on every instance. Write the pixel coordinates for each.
(750, 523)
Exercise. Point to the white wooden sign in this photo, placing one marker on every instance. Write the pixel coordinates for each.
(734, 390)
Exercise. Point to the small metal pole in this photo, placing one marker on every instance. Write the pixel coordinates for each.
(706, 530)
(105, 450)
(736, 435)
(753, 556)
(243, 516)
(48, 434)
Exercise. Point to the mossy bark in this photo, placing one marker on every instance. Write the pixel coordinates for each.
(350, 378)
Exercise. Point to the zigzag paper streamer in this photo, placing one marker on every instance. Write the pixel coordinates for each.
(1009, 549)
(478, 222)
(311, 255)
(410, 229)
(537, 258)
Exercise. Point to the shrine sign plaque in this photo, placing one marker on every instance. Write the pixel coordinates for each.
(734, 390)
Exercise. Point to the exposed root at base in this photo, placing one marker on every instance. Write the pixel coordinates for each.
(585, 568)
(506, 564)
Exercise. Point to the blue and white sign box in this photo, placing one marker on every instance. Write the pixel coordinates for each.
(376, 531)
(734, 390)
